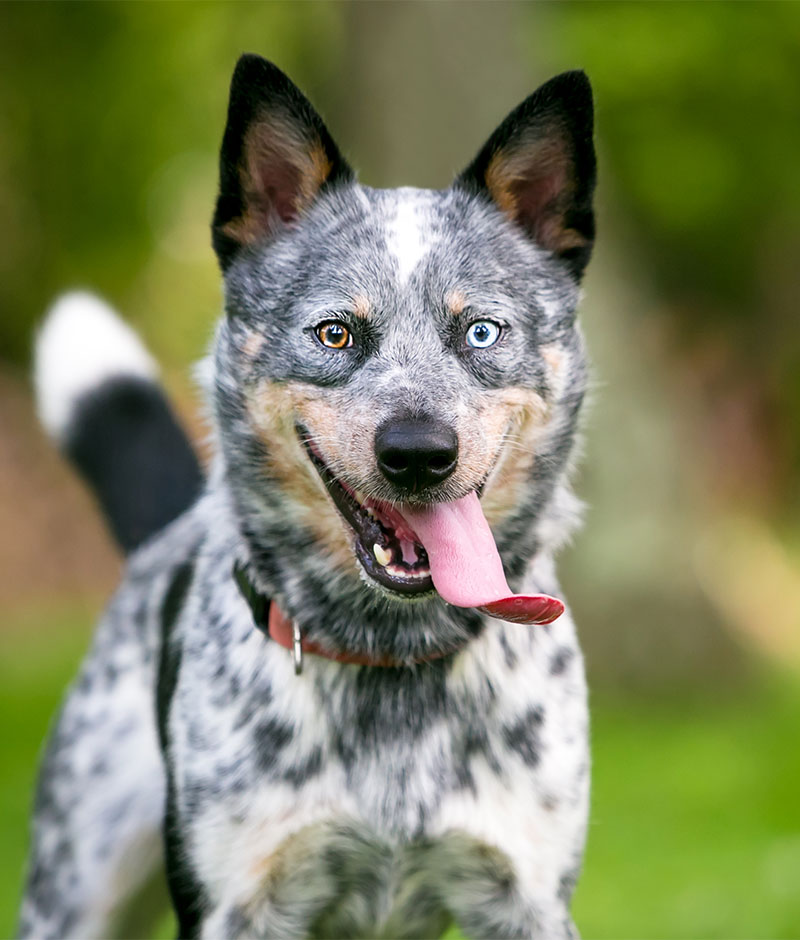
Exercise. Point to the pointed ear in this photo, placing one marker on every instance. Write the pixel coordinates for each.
(276, 156)
(539, 168)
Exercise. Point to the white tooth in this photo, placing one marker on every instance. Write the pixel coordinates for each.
(383, 557)
(359, 495)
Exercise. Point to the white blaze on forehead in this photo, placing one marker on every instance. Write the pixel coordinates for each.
(408, 239)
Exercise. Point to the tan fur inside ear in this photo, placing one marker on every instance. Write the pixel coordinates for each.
(282, 173)
(531, 182)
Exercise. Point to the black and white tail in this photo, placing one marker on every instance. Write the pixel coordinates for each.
(99, 398)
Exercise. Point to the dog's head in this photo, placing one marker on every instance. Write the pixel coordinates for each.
(388, 356)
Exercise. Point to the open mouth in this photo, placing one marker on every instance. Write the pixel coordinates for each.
(385, 544)
(446, 547)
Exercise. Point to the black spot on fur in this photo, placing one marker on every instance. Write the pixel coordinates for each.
(252, 706)
(99, 767)
(193, 797)
(474, 744)
(345, 750)
(237, 923)
(508, 654)
(566, 884)
(561, 659)
(310, 767)
(270, 736)
(524, 736)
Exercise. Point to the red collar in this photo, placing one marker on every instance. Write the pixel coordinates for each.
(272, 621)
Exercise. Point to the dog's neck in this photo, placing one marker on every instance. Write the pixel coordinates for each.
(274, 623)
(340, 615)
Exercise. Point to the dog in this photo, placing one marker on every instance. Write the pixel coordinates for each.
(315, 699)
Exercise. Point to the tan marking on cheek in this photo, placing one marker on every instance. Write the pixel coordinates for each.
(557, 360)
(456, 301)
(253, 345)
(554, 357)
(361, 306)
(273, 408)
(344, 434)
(498, 440)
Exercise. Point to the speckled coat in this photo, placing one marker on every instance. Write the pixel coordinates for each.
(348, 801)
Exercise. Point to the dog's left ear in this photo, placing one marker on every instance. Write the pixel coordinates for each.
(539, 168)
(276, 157)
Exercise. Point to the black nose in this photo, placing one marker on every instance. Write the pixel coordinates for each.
(415, 454)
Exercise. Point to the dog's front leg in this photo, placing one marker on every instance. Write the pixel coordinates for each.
(327, 879)
(99, 804)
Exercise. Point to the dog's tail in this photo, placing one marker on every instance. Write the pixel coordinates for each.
(99, 398)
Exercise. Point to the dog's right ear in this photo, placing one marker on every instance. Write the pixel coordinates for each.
(538, 167)
(276, 156)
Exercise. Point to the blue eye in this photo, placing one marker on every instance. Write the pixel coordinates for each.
(483, 333)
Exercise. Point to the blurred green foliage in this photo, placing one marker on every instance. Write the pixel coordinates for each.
(104, 110)
(697, 112)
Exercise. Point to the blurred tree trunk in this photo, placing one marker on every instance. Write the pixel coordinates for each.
(424, 84)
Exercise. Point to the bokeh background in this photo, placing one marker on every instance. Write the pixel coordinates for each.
(685, 581)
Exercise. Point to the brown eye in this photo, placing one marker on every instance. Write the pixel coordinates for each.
(334, 335)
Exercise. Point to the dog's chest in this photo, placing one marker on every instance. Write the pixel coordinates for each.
(345, 772)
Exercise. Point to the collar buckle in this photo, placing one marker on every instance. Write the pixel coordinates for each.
(297, 648)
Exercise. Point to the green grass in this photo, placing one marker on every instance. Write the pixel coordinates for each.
(36, 663)
(695, 824)
(695, 828)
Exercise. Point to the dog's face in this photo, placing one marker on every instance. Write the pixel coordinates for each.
(401, 348)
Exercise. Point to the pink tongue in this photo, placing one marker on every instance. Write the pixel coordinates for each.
(466, 566)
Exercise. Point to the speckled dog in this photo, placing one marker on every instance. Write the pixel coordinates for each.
(395, 388)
